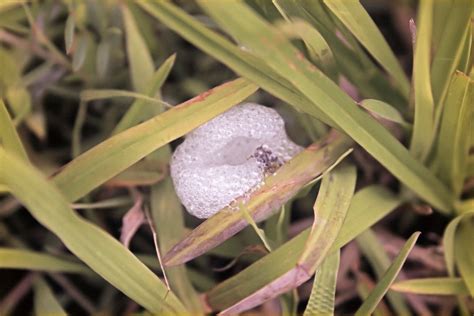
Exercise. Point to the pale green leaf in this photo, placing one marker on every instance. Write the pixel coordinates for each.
(432, 286)
(272, 47)
(423, 127)
(109, 158)
(367, 207)
(45, 303)
(100, 251)
(463, 254)
(139, 57)
(93, 94)
(385, 111)
(11, 258)
(358, 21)
(9, 138)
(386, 281)
(321, 300)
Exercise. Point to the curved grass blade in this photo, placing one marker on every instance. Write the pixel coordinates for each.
(100, 251)
(321, 300)
(139, 57)
(449, 51)
(272, 47)
(375, 253)
(168, 220)
(423, 127)
(384, 284)
(140, 108)
(449, 241)
(31, 260)
(237, 59)
(463, 253)
(9, 138)
(45, 303)
(367, 207)
(109, 158)
(261, 203)
(385, 111)
(432, 286)
(357, 20)
(453, 140)
(93, 94)
(330, 210)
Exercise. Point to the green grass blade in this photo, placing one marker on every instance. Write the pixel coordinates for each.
(168, 220)
(432, 286)
(139, 57)
(463, 254)
(321, 300)
(45, 303)
(31, 260)
(9, 138)
(375, 253)
(367, 207)
(384, 284)
(454, 141)
(140, 108)
(330, 210)
(273, 48)
(449, 51)
(100, 251)
(241, 62)
(263, 202)
(423, 127)
(385, 111)
(358, 21)
(109, 158)
(94, 94)
(449, 241)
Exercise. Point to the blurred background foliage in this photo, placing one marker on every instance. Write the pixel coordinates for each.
(75, 73)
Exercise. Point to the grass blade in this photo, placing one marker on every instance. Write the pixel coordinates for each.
(31, 260)
(375, 253)
(384, 284)
(330, 210)
(367, 207)
(241, 62)
(321, 300)
(273, 48)
(261, 203)
(168, 220)
(449, 51)
(140, 108)
(432, 286)
(356, 19)
(100, 251)
(463, 254)
(385, 111)
(45, 303)
(423, 127)
(454, 141)
(9, 138)
(93, 94)
(119, 152)
(139, 58)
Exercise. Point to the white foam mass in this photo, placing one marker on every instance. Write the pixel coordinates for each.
(229, 156)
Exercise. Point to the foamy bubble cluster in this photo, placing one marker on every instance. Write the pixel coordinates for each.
(229, 156)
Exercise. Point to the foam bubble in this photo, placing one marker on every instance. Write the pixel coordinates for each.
(228, 157)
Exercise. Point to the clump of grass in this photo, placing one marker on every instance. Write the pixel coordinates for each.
(95, 95)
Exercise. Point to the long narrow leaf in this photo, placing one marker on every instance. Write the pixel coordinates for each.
(367, 207)
(45, 303)
(384, 284)
(9, 138)
(356, 19)
(31, 260)
(272, 47)
(432, 286)
(119, 152)
(100, 251)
